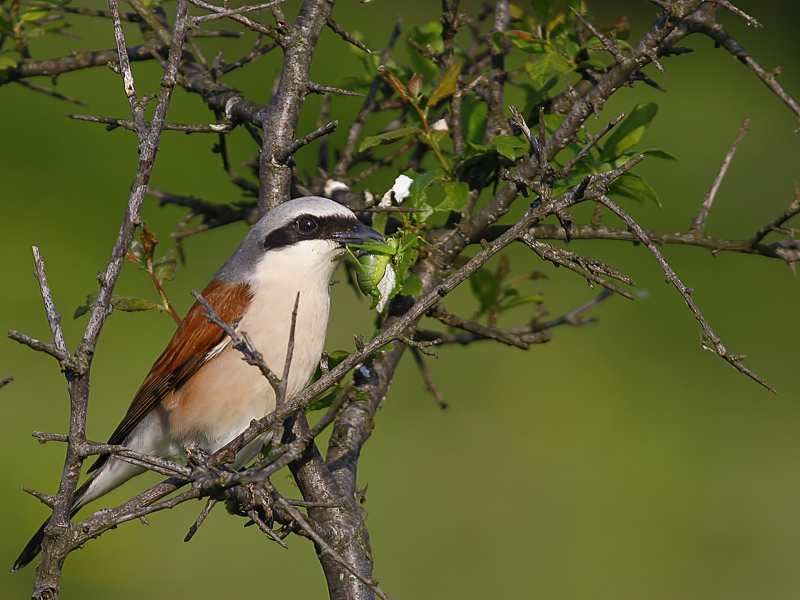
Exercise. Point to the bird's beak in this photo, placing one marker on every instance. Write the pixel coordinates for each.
(360, 233)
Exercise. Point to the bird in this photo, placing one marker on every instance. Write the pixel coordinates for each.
(200, 390)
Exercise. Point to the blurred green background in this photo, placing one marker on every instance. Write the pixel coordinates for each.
(619, 460)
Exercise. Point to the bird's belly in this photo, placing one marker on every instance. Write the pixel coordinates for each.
(219, 402)
(226, 393)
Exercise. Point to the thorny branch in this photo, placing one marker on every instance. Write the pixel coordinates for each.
(329, 485)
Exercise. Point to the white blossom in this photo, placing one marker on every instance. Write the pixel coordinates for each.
(400, 190)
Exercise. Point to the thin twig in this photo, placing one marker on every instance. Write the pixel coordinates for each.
(607, 44)
(137, 110)
(45, 90)
(430, 384)
(283, 155)
(46, 499)
(266, 528)
(47, 348)
(212, 502)
(243, 344)
(562, 173)
(341, 31)
(587, 267)
(323, 546)
(573, 317)
(698, 224)
(53, 317)
(326, 89)
(753, 242)
(234, 15)
(709, 337)
(113, 123)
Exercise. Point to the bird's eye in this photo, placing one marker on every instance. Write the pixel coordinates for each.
(306, 224)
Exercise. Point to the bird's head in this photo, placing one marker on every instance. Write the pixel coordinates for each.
(304, 237)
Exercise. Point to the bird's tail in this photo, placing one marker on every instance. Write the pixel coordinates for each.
(34, 545)
(31, 550)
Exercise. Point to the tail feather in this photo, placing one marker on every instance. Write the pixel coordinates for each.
(34, 545)
(31, 550)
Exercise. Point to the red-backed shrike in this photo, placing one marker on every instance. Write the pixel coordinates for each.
(200, 391)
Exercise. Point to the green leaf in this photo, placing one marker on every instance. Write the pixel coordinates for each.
(447, 84)
(657, 153)
(86, 306)
(629, 131)
(632, 186)
(164, 267)
(32, 14)
(426, 35)
(509, 146)
(528, 43)
(354, 82)
(389, 137)
(412, 286)
(485, 288)
(506, 145)
(547, 66)
(456, 196)
(335, 357)
(6, 26)
(324, 401)
(131, 304)
(123, 303)
(473, 118)
(417, 195)
(496, 40)
(8, 62)
(592, 63)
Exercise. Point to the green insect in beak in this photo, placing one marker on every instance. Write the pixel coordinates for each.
(375, 273)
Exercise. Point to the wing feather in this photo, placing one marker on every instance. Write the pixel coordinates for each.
(194, 343)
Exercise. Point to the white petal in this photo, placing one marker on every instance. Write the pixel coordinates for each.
(386, 287)
(400, 189)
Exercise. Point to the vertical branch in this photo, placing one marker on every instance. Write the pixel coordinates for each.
(496, 122)
(53, 317)
(281, 116)
(137, 110)
(55, 547)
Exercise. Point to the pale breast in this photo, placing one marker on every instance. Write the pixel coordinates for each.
(226, 393)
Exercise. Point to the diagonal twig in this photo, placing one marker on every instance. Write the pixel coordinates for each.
(709, 337)
(699, 221)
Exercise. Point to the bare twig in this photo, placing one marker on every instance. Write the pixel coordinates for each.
(243, 344)
(754, 242)
(44, 90)
(137, 110)
(342, 32)
(200, 519)
(47, 348)
(710, 339)
(440, 313)
(607, 44)
(283, 155)
(587, 267)
(699, 221)
(430, 384)
(57, 544)
(326, 89)
(324, 547)
(113, 123)
(574, 317)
